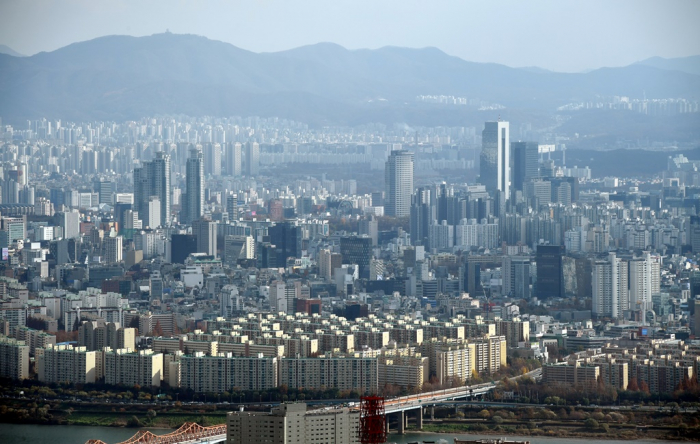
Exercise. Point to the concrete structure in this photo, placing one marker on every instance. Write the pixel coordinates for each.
(292, 424)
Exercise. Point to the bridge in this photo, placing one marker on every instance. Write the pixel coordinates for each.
(188, 433)
(396, 409)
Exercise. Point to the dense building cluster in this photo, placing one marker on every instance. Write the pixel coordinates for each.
(212, 253)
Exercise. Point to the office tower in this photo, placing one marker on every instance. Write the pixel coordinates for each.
(357, 250)
(696, 317)
(232, 206)
(286, 237)
(516, 276)
(233, 159)
(238, 247)
(422, 214)
(152, 179)
(609, 285)
(550, 271)
(181, 246)
(495, 157)
(194, 199)
(205, 230)
(370, 227)
(12, 229)
(398, 178)
(69, 222)
(252, 159)
(113, 249)
(105, 189)
(525, 163)
(694, 234)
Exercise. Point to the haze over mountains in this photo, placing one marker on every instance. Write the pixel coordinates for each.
(122, 77)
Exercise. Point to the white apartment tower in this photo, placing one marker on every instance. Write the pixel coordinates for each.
(645, 274)
(610, 287)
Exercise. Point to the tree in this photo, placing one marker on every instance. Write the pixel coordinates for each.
(591, 423)
(633, 385)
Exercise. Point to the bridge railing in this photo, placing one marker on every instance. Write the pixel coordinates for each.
(189, 431)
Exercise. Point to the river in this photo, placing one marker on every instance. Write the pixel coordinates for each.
(65, 434)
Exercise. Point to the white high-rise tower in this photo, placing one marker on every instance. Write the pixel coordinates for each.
(398, 175)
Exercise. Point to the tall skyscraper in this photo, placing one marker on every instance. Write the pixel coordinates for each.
(525, 163)
(398, 177)
(286, 237)
(152, 179)
(194, 200)
(550, 271)
(252, 158)
(495, 157)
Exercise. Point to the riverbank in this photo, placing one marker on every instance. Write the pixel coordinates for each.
(106, 415)
(553, 429)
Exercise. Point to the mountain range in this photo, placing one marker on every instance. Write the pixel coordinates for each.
(122, 77)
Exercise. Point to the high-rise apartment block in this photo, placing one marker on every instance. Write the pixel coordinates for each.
(127, 367)
(252, 159)
(65, 363)
(14, 358)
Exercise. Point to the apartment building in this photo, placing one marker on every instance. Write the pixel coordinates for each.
(223, 372)
(351, 372)
(402, 371)
(128, 367)
(14, 358)
(65, 363)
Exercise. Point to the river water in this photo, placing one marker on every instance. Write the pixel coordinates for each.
(46, 434)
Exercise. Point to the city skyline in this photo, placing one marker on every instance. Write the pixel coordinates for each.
(231, 213)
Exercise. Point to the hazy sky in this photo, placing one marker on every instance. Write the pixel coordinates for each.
(561, 35)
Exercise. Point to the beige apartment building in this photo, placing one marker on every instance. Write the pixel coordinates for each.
(65, 363)
(128, 367)
(340, 372)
